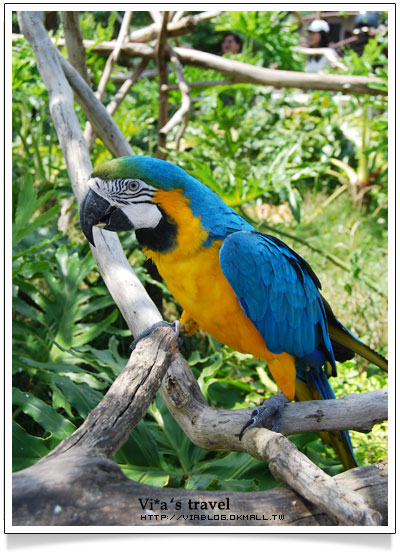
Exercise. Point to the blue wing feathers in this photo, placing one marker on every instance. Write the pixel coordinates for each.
(279, 293)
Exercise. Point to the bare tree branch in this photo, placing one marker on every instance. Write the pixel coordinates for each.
(296, 470)
(128, 293)
(61, 100)
(73, 42)
(199, 84)
(178, 15)
(108, 426)
(183, 113)
(248, 73)
(113, 106)
(163, 80)
(175, 28)
(157, 17)
(95, 111)
(280, 78)
(122, 35)
(77, 489)
(89, 134)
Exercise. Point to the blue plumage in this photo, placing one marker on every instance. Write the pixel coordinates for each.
(279, 296)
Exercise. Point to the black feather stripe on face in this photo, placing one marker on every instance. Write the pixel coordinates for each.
(162, 238)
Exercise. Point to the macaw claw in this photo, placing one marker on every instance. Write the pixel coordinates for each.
(146, 332)
(272, 408)
(189, 327)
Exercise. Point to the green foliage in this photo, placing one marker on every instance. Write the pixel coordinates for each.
(268, 35)
(247, 143)
(253, 146)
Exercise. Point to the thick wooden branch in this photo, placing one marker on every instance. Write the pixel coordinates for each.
(128, 293)
(52, 482)
(199, 84)
(216, 429)
(126, 402)
(296, 470)
(279, 78)
(61, 100)
(76, 489)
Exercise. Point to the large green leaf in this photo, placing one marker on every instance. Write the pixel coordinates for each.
(140, 449)
(81, 397)
(43, 414)
(149, 476)
(213, 483)
(171, 438)
(27, 449)
(27, 205)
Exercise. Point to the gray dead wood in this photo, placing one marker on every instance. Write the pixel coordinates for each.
(75, 483)
(73, 42)
(123, 284)
(248, 73)
(126, 86)
(95, 112)
(108, 426)
(78, 489)
(177, 27)
(279, 78)
(90, 134)
(197, 84)
(162, 81)
(180, 391)
(182, 115)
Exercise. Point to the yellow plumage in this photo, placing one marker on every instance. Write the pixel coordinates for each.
(194, 276)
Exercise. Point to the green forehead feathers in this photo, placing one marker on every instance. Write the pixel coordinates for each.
(158, 173)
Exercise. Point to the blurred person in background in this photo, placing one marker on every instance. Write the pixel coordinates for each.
(231, 43)
(318, 37)
(366, 25)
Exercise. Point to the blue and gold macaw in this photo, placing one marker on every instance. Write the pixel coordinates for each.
(248, 290)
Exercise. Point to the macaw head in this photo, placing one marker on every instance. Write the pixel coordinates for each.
(164, 205)
(122, 194)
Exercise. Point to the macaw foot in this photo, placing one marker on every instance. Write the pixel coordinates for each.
(146, 332)
(271, 408)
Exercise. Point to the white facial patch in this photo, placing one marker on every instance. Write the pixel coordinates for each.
(144, 215)
(133, 196)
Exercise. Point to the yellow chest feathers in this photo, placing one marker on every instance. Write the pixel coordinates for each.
(194, 276)
(188, 266)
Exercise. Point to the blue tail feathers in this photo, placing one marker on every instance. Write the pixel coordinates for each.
(313, 384)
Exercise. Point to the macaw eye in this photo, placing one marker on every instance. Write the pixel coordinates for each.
(133, 185)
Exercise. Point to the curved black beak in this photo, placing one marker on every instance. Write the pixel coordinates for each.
(91, 212)
(96, 211)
